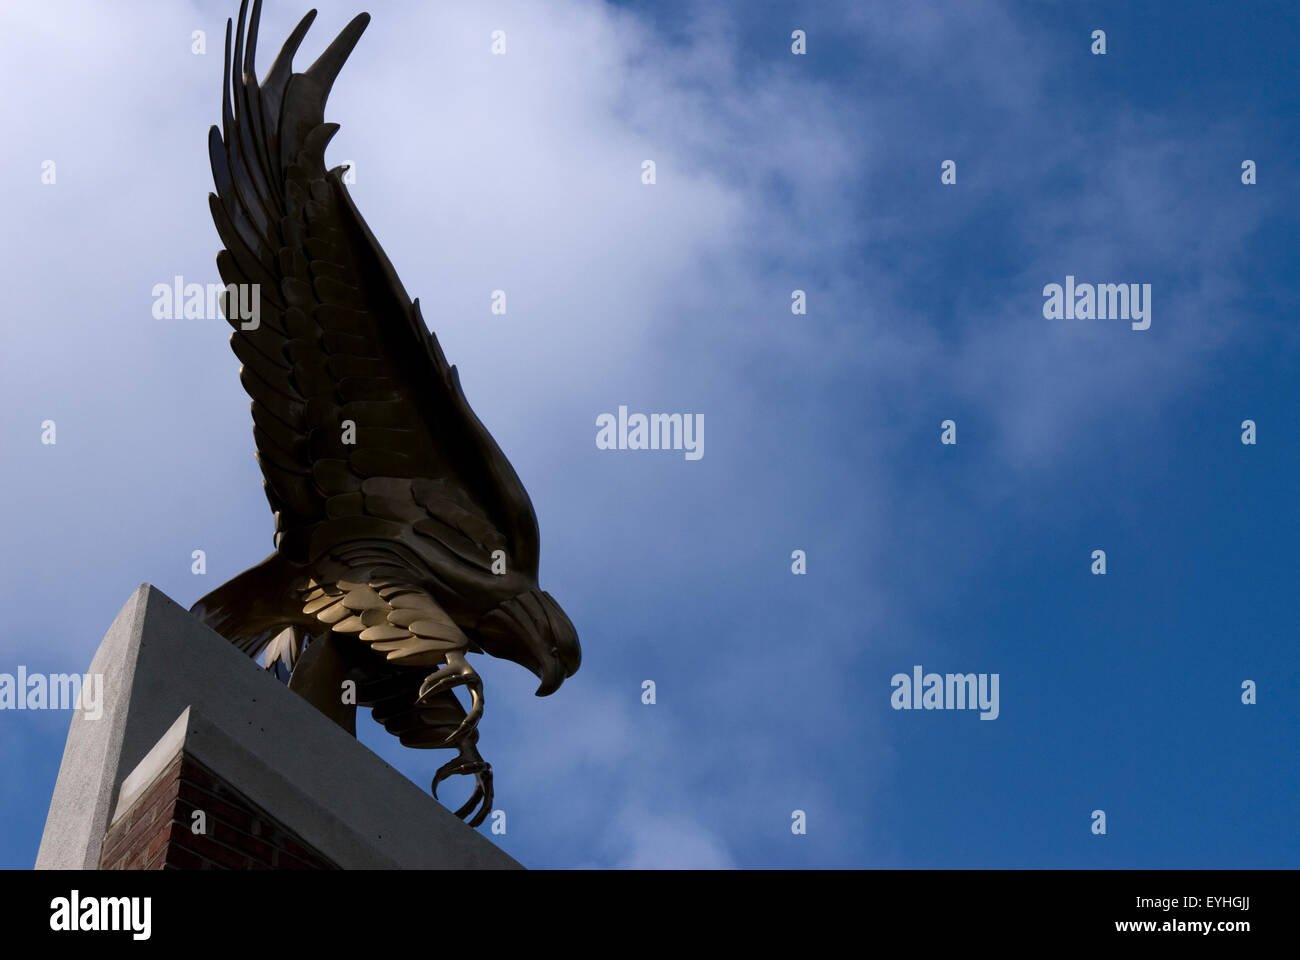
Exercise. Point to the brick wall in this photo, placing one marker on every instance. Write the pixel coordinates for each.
(156, 833)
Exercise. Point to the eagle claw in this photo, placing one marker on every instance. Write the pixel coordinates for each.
(457, 672)
(469, 763)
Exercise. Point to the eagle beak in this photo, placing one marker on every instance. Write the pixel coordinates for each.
(532, 630)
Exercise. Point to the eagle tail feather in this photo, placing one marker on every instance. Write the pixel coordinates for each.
(252, 608)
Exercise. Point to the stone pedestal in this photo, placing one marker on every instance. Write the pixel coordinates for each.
(199, 759)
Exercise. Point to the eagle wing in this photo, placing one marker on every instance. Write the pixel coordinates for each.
(337, 339)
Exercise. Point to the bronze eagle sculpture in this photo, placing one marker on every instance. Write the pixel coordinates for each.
(404, 540)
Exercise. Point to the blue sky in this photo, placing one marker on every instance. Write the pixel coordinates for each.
(775, 172)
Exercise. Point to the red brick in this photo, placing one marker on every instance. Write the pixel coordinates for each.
(161, 795)
(139, 834)
(156, 833)
(161, 840)
(110, 858)
(216, 852)
(259, 850)
(115, 849)
(138, 826)
(293, 848)
(193, 794)
(178, 858)
(289, 862)
(231, 814)
(192, 772)
(156, 795)
(157, 861)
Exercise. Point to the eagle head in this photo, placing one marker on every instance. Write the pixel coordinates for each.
(531, 629)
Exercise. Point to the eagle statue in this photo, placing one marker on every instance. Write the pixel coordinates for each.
(404, 540)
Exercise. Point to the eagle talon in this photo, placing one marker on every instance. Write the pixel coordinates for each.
(457, 672)
(469, 763)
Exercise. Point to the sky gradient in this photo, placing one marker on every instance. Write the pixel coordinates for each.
(774, 173)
